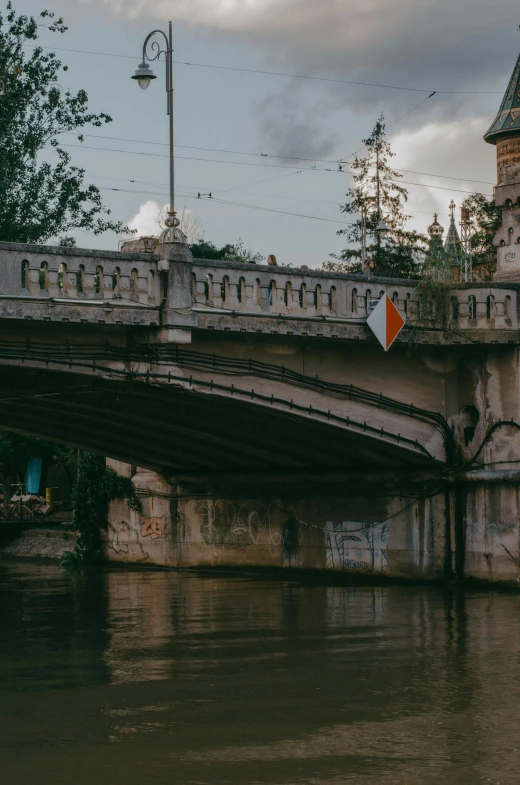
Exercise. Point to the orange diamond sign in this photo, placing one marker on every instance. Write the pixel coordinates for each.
(386, 322)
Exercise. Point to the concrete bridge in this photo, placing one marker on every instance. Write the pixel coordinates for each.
(277, 430)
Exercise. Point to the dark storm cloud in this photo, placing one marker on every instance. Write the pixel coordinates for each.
(428, 43)
(442, 45)
(288, 127)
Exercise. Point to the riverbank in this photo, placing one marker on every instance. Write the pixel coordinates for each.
(40, 543)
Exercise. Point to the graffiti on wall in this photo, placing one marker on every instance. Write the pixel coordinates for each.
(356, 545)
(155, 528)
(124, 542)
(494, 538)
(225, 523)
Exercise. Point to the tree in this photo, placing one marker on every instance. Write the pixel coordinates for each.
(96, 486)
(236, 252)
(486, 220)
(377, 196)
(40, 199)
(67, 242)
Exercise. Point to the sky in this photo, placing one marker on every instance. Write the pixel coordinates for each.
(266, 146)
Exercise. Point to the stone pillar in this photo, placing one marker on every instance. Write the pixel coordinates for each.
(148, 537)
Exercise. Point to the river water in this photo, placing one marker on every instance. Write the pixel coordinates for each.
(129, 677)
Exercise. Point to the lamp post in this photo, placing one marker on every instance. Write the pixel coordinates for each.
(381, 232)
(144, 75)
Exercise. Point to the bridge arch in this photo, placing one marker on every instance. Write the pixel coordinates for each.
(163, 406)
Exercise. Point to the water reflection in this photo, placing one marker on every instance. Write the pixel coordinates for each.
(120, 677)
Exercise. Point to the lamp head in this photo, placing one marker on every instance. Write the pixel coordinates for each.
(144, 75)
(382, 228)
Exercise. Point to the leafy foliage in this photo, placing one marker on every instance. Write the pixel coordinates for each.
(236, 252)
(486, 220)
(376, 195)
(96, 486)
(67, 242)
(39, 199)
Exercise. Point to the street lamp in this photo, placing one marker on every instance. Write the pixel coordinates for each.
(382, 228)
(381, 233)
(144, 75)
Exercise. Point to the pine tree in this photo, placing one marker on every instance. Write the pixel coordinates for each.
(376, 196)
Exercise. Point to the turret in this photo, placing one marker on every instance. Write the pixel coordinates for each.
(452, 244)
(505, 134)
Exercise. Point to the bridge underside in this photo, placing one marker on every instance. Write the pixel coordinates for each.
(174, 429)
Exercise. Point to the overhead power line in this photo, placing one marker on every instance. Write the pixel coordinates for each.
(184, 157)
(205, 149)
(233, 204)
(278, 73)
(308, 200)
(412, 110)
(248, 163)
(340, 161)
(271, 210)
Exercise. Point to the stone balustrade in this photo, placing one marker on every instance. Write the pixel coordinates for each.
(483, 307)
(288, 292)
(203, 287)
(61, 273)
(254, 289)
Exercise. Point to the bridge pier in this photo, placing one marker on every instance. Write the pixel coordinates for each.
(341, 522)
(420, 526)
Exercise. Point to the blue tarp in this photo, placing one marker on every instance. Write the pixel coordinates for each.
(33, 475)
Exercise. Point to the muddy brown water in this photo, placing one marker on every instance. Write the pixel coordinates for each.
(130, 677)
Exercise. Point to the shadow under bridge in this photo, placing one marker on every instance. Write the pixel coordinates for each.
(173, 409)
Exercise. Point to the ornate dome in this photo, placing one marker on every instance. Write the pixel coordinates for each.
(435, 229)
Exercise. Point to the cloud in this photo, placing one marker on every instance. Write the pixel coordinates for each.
(417, 39)
(467, 45)
(288, 128)
(147, 221)
(454, 149)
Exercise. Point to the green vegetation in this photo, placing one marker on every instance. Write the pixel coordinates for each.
(41, 193)
(486, 220)
(377, 195)
(237, 252)
(95, 487)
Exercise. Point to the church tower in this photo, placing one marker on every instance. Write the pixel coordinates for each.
(505, 134)
(453, 245)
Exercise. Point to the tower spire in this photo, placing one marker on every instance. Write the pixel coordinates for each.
(507, 121)
(452, 245)
(505, 134)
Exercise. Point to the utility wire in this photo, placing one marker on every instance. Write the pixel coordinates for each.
(205, 149)
(339, 161)
(412, 110)
(294, 169)
(278, 73)
(244, 193)
(233, 204)
(279, 212)
(179, 157)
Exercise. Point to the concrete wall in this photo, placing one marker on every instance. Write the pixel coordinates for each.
(149, 537)
(280, 528)
(492, 533)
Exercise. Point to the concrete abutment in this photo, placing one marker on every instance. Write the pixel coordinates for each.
(420, 528)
